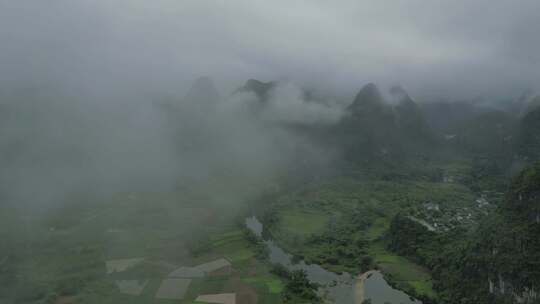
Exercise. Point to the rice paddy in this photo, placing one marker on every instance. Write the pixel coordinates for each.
(173, 289)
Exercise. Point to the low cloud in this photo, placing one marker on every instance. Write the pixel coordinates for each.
(287, 104)
(453, 48)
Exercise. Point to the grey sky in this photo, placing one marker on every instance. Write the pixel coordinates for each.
(460, 48)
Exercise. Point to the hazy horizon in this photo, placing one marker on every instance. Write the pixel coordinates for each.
(457, 50)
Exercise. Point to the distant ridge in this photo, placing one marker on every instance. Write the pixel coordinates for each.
(260, 89)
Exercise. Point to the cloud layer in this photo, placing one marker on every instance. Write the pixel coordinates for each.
(451, 48)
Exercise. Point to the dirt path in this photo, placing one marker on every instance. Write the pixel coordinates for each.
(359, 293)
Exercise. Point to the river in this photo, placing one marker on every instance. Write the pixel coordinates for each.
(339, 289)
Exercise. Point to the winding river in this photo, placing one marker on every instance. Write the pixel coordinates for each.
(339, 289)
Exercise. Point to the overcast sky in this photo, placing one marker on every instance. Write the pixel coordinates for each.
(458, 47)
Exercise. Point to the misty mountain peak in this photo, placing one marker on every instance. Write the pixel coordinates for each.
(261, 89)
(398, 93)
(401, 98)
(409, 116)
(369, 97)
(398, 90)
(370, 90)
(533, 104)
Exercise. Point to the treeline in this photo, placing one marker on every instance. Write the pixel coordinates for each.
(298, 288)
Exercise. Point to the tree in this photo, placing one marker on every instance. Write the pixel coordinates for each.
(299, 289)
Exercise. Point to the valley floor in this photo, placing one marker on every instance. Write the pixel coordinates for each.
(184, 248)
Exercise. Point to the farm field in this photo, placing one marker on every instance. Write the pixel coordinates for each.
(133, 248)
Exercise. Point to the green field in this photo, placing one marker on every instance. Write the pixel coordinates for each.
(303, 223)
(402, 272)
